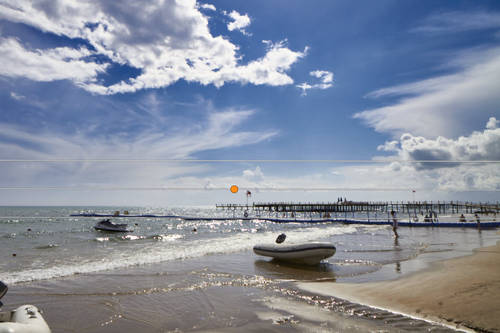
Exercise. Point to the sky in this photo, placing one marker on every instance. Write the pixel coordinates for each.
(102, 102)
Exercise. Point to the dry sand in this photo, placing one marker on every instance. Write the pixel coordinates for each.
(464, 291)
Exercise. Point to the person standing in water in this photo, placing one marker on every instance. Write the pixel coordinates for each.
(394, 223)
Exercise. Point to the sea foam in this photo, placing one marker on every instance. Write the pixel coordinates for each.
(179, 250)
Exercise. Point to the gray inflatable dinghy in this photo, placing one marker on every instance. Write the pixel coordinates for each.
(304, 253)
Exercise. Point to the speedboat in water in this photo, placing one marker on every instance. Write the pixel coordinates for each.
(303, 253)
(107, 225)
(24, 319)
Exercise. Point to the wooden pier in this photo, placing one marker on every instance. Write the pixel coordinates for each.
(410, 208)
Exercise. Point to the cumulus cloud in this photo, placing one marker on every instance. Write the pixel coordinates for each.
(326, 81)
(167, 41)
(479, 146)
(270, 70)
(448, 105)
(437, 183)
(492, 123)
(240, 22)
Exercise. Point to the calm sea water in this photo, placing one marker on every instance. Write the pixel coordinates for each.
(173, 275)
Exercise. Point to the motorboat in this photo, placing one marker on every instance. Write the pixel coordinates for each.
(24, 319)
(303, 253)
(107, 225)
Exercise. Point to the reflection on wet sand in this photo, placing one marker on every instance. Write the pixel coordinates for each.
(287, 271)
(398, 263)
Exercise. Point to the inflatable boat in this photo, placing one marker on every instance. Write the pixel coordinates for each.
(107, 225)
(305, 253)
(24, 319)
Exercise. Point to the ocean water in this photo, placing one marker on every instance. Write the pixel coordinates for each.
(59, 261)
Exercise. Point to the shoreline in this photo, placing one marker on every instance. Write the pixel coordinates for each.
(462, 292)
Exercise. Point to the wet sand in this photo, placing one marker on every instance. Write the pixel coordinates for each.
(221, 293)
(463, 292)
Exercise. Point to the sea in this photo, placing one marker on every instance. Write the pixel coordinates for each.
(178, 275)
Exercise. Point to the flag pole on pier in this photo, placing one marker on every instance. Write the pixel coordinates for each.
(249, 194)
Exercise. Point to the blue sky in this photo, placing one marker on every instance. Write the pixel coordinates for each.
(387, 81)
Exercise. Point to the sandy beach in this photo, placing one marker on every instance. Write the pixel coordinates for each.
(463, 292)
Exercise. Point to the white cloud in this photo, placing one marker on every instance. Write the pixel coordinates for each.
(208, 6)
(253, 175)
(434, 182)
(389, 146)
(451, 22)
(479, 146)
(47, 65)
(17, 97)
(448, 105)
(166, 40)
(270, 69)
(492, 123)
(240, 22)
(218, 130)
(325, 77)
(391, 181)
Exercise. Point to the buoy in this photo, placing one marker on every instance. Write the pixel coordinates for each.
(234, 189)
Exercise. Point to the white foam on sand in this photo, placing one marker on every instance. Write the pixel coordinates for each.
(312, 318)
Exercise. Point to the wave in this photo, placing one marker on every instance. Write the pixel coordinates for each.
(45, 247)
(178, 250)
(158, 238)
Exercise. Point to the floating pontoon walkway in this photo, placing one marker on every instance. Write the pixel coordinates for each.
(375, 221)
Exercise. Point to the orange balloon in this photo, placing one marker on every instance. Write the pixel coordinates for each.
(234, 189)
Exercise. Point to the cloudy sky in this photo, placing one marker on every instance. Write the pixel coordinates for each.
(101, 102)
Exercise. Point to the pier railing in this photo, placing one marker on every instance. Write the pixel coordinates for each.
(409, 207)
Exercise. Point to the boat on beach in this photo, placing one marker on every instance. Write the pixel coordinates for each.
(303, 253)
(24, 319)
(107, 225)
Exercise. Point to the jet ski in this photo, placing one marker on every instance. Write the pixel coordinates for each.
(107, 225)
